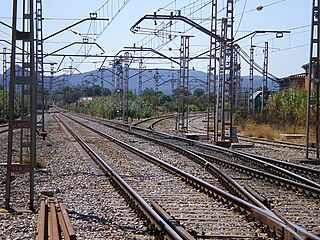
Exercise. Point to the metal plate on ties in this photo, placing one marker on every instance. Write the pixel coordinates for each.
(19, 168)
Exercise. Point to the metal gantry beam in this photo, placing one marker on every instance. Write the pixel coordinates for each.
(27, 83)
(313, 121)
(179, 17)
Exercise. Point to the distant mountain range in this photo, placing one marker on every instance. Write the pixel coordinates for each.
(197, 79)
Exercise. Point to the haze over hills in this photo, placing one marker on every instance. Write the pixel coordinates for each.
(197, 79)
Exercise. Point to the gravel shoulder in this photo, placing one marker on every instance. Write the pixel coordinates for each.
(96, 210)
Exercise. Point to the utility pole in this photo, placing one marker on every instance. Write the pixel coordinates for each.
(27, 81)
(313, 123)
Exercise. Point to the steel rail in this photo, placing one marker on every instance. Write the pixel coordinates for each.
(240, 155)
(284, 173)
(273, 142)
(266, 216)
(53, 220)
(133, 197)
(310, 191)
(287, 165)
(232, 185)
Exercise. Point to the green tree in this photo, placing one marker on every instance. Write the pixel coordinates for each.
(288, 106)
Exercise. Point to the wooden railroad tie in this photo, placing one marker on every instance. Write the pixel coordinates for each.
(53, 220)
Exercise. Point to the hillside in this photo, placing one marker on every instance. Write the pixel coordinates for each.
(197, 79)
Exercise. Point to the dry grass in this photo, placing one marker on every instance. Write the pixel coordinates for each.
(260, 131)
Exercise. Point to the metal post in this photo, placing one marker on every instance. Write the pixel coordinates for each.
(156, 80)
(102, 70)
(119, 84)
(140, 88)
(24, 38)
(184, 84)
(113, 77)
(4, 84)
(51, 80)
(172, 82)
(39, 61)
(212, 68)
(237, 75)
(125, 87)
(251, 69)
(224, 102)
(313, 81)
(264, 79)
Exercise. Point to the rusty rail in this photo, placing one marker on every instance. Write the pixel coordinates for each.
(53, 220)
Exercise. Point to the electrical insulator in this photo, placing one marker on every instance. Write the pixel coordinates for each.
(259, 8)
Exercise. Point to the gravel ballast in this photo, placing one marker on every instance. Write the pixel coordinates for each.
(96, 210)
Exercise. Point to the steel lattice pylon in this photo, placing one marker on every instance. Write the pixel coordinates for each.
(224, 90)
(250, 92)
(39, 61)
(125, 88)
(23, 84)
(182, 122)
(119, 84)
(237, 77)
(265, 78)
(4, 84)
(313, 82)
(212, 68)
(140, 88)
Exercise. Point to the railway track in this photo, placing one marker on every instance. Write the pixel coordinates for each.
(274, 198)
(270, 149)
(294, 211)
(170, 191)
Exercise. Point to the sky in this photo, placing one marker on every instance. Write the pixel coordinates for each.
(286, 55)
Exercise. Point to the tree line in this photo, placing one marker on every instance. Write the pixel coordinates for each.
(286, 108)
